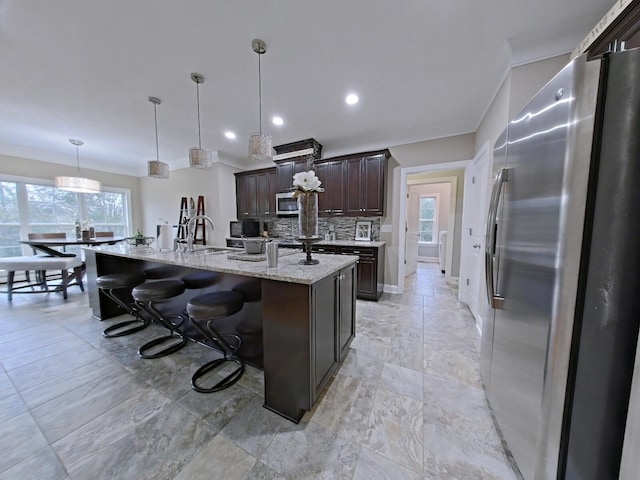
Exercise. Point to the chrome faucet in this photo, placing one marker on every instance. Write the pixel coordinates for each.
(191, 230)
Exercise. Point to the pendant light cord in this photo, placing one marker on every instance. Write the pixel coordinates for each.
(78, 159)
(198, 100)
(155, 116)
(260, 94)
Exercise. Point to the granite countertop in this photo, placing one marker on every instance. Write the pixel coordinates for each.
(338, 243)
(288, 269)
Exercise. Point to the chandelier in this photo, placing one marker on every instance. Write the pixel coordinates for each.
(78, 183)
(259, 143)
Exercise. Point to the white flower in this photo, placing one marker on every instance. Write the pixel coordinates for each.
(307, 182)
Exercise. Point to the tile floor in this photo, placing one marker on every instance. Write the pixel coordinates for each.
(406, 404)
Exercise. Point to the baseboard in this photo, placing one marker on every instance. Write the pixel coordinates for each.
(454, 281)
(390, 289)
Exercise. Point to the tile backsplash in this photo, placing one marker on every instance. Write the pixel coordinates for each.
(344, 227)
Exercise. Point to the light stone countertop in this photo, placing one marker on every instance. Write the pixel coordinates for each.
(337, 243)
(288, 269)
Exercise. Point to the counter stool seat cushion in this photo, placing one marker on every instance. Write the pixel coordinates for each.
(160, 272)
(113, 281)
(201, 279)
(158, 291)
(215, 305)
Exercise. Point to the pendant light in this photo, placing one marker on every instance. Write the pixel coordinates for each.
(259, 143)
(199, 157)
(156, 168)
(78, 183)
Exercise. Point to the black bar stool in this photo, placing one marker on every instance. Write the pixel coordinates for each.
(200, 279)
(118, 286)
(203, 310)
(147, 296)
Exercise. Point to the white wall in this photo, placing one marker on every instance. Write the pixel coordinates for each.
(162, 198)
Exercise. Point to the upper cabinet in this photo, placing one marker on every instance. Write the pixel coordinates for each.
(365, 177)
(293, 158)
(256, 193)
(286, 169)
(332, 175)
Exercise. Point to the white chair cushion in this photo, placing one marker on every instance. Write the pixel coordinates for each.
(35, 262)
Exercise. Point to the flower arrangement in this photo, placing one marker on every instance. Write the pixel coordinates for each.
(306, 182)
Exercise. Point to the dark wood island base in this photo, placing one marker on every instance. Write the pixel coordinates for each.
(301, 328)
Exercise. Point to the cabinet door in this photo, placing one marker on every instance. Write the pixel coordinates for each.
(372, 184)
(243, 189)
(367, 281)
(322, 172)
(262, 195)
(272, 181)
(347, 315)
(354, 191)
(324, 334)
(335, 188)
(284, 173)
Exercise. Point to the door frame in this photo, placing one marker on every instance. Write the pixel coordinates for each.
(404, 173)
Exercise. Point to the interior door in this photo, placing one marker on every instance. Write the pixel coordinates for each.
(412, 233)
(476, 182)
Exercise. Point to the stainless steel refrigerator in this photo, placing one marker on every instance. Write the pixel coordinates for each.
(563, 269)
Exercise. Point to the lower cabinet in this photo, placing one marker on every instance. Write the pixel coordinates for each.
(333, 328)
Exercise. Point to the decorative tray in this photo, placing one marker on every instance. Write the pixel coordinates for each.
(259, 257)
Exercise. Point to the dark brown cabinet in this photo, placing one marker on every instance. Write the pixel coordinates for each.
(332, 175)
(333, 328)
(285, 170)
(365, 177)
(256, 193)
(370, 272)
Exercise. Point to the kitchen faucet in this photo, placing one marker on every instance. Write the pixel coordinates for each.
(191, 230)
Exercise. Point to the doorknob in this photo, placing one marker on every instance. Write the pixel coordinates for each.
(477, 245)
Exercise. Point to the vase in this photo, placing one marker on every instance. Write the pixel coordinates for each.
(308, 215)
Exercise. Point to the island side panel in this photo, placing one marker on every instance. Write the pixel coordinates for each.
(286, 318)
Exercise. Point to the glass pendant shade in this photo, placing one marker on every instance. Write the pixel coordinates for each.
(260, 146)
(156, 169)
(200, 158)
(78, 183)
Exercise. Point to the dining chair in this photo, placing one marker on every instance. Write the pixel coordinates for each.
(41, 275)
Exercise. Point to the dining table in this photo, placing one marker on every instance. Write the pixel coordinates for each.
(46, 245)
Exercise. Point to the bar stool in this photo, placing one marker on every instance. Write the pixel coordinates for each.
(203, 310)
(147, 296)
(123, 283)
(200, 279)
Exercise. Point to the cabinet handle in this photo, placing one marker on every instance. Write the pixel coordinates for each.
(356, 251)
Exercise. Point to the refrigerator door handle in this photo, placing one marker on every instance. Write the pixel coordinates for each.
(495, 301)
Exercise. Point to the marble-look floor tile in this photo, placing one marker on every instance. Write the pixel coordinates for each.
(220, 459)
(31, 355)
(372, 466)
(447, 357)
(21, 438)
(6, 386)
(65, 413)
(156, 449)
(311, 452)
(401, 380)
(99, 433)
(345, 407)
(254, 427)
(362, 366)
(11, 407)
(260, 471)
(396, 429)
(43, 464)
(217, 409)
(406, 353)
(47, 368)
(371, 347)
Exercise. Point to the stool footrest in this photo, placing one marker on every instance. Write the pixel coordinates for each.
(226, 382)
(159, 341)
(119, 330)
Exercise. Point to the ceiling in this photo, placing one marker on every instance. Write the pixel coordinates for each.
(422, 70)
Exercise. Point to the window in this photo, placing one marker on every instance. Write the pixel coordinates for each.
(428, 219)
(33, 205)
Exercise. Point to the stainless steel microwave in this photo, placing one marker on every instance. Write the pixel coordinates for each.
(286, 204)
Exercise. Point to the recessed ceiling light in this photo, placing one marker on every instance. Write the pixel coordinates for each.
(352, 99)
(230, 135)
(277, 121)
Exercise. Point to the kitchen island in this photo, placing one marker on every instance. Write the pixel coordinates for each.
(298, 327)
